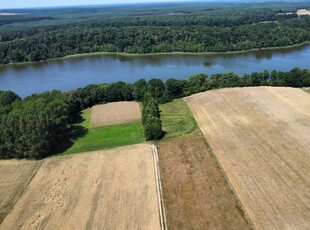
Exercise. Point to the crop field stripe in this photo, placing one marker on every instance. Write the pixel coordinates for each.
(260, 137)
(246, 213)
(161, 206)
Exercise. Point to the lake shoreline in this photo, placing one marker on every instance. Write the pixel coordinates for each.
(75, 71)
(155, 54)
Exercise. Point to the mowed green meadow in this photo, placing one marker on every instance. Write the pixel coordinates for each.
(177, 119)
(105, 137)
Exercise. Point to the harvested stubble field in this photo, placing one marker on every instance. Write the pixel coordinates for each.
(14, 178)
(112, 189)
(115, 113)
(261, 138)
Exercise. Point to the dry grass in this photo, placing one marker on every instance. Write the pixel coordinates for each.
(14, 177)
(113, 189)
(196, 194)
(115, 113)
(261, 138)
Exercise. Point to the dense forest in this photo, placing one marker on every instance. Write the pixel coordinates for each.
(44, 34)
(34, 127)
(42, 124)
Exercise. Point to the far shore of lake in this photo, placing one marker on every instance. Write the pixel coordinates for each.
(157, 54)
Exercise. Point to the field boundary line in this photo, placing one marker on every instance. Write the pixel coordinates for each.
(10, 207)
(239, 203)
(232, 189)
(161, 206)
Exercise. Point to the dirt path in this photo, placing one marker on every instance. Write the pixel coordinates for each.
(261, 137)
(161, 205)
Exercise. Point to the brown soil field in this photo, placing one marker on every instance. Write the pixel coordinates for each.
(196, 194)
(14, 178)
(115, 113)
(303, 12)
(111, 189)
(261, 137)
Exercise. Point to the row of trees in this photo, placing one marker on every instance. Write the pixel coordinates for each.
(166, 91)
(40, 125)
(151, 122)
(93, 94)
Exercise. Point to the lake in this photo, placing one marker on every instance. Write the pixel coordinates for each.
(75, 72)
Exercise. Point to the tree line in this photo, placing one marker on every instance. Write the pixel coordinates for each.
(151, 122)
(41, 124)
(214, 30)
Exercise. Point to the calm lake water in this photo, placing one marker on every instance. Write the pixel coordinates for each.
(73, 73)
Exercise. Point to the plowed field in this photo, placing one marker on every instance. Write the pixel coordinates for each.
(261, 137)
(112, 189)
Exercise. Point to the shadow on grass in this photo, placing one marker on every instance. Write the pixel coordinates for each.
(164, 133)
(78, 119)
(76, 132)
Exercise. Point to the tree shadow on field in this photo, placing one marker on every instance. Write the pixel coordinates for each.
(75, 132)
(164, 133)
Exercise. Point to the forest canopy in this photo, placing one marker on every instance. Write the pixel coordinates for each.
(153, 28)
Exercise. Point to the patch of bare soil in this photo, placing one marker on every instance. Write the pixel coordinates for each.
(196, 194)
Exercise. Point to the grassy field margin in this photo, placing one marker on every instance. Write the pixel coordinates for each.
(177, 119)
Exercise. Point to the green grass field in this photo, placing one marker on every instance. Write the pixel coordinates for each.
(104, 137)
(177, 118)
